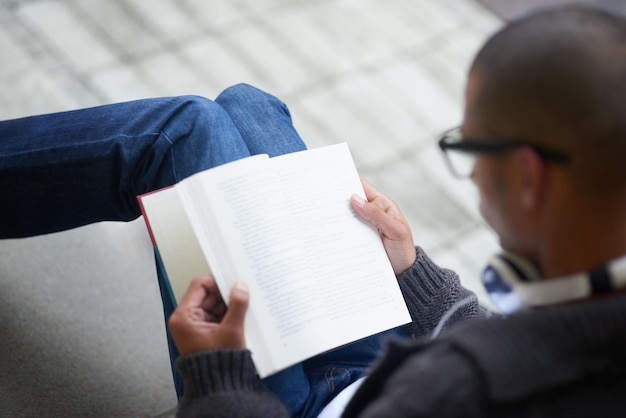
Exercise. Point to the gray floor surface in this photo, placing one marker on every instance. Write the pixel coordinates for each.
(81, 325)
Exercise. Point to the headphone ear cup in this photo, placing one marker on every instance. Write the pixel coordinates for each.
(521, 269)
(502, 275)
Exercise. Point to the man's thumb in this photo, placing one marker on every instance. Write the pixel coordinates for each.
(237, 306)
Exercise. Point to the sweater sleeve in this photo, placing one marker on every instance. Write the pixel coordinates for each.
(431, 292)
(224, 383)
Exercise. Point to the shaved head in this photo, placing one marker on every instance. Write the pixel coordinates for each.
(558, 78)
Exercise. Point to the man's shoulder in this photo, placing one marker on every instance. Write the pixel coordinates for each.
(532, 351)
(504, 364)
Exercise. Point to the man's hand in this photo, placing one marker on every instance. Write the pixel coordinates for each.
(394, 230)
(201, 322)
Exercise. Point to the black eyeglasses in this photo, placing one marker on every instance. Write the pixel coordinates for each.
(460, 153)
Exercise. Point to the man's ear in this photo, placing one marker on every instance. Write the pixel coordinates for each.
(531, 176)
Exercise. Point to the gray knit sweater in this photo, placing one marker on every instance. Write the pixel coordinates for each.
(567, 361)
(224, 383)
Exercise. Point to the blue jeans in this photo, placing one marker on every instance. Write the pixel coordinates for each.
(65, 170)
(307, 387)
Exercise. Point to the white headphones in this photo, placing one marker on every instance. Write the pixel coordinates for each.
(514, 284)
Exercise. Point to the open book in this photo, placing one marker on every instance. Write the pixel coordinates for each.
(319, 276)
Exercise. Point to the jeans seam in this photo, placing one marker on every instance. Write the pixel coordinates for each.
(329, 380)
(329, 375)
(171, 155)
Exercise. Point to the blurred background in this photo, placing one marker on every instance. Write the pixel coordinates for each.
(80, 317)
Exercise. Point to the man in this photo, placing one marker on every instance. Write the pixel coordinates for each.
(545, 131)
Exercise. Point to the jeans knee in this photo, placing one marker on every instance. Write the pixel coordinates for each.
(246, 95)
(195, 106)
(238, 92)
(197, 112)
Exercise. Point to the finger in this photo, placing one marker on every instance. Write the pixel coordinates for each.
(215, 307)
(370, 191)
(237, 307)
(210, 317)
(377, 198)
(198, 290)
(374, 195)
(388, 225)
(212, 301)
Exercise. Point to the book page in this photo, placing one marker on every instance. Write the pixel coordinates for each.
(174, 238)
(357, 289)
(233, 209)
(319, 276)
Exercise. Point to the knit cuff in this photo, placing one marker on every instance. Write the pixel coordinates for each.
(217, 371)
(429, 291)
(425, 280)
